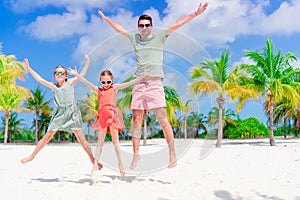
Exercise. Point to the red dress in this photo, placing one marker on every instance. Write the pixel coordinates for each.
(108, 113)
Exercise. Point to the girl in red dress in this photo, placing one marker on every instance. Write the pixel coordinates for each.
(109, 117)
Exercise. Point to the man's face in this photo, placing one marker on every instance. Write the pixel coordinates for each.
(144, 27)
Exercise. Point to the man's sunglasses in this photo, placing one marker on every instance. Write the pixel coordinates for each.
(107, 82)
(144, 25)
(59, 73)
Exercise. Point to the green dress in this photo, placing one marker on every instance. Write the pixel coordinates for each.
(66, 115)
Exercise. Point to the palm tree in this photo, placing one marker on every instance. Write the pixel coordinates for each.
(274, 78)
(13, 125)
(173, 102)
(213, 117)
(282, 111)
(214, 77)
(152, 124)
(185, 108)
(125, 101)
(127, 122)
(37, 104)
(10, 69)
(89, 109)
(11, 97)
(196, 122)
(145, 117)
(44, 120)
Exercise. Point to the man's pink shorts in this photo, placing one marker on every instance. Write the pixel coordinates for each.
(147, 95)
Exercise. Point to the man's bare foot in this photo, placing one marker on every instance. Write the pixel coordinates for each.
(172, 164)
(25, 160)
(135, 159)
(173, 161)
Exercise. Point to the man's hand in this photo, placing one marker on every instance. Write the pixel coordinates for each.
(201, 8)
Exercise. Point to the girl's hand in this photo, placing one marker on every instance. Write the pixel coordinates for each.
(144, 74)
(26, 64)
(87, 57)
(73, 71)
(101, 14)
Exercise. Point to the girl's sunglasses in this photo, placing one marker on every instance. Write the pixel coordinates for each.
(107, 82)
(59, 73)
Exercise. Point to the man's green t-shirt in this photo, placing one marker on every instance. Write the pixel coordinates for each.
(149, 52)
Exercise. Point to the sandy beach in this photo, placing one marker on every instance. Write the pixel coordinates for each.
(240, 169)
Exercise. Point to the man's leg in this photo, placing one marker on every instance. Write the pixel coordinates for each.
(137, 119)
(161, 116)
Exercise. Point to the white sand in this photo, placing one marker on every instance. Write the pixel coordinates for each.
(247, 169)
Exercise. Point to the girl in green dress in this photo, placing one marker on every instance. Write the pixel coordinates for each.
(66, 115)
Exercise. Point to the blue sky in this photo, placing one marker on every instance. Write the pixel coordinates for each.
(60, 32)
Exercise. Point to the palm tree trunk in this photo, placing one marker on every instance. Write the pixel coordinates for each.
(88, 126)
(184, 126)
(36, 129)
(272, 139)
(284, 126)
(220, 101)
(145, 128)
(6, 128)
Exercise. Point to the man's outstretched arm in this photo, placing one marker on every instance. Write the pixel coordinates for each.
(114, 25)
(182, 21)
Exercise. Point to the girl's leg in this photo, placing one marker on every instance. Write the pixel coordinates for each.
(39, 146)
(101, 138)
(81, 139)
(115, 140)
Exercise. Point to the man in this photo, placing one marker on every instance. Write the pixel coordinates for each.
(149, 94)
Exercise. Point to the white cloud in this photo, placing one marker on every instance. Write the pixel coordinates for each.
(222, 22)
(243, 60)
(57, 26)
(283, 21)
(295, 64)
(23, 6)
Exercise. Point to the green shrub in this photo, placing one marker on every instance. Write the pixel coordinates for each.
(248, 128)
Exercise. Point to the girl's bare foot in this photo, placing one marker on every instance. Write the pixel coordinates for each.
(135, 159)
(100, 166)
(122, 172)
(95, 167)
(25, 160)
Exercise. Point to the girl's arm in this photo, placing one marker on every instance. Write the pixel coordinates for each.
(134, 81)
(182, 21)
(114, 25)
(37, 77)
(83, 71)
(79, 77)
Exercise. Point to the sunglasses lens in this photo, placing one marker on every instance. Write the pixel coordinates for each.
(144, 25)
(107, 82)
(59, 73)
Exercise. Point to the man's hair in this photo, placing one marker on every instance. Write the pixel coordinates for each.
(146, 17)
